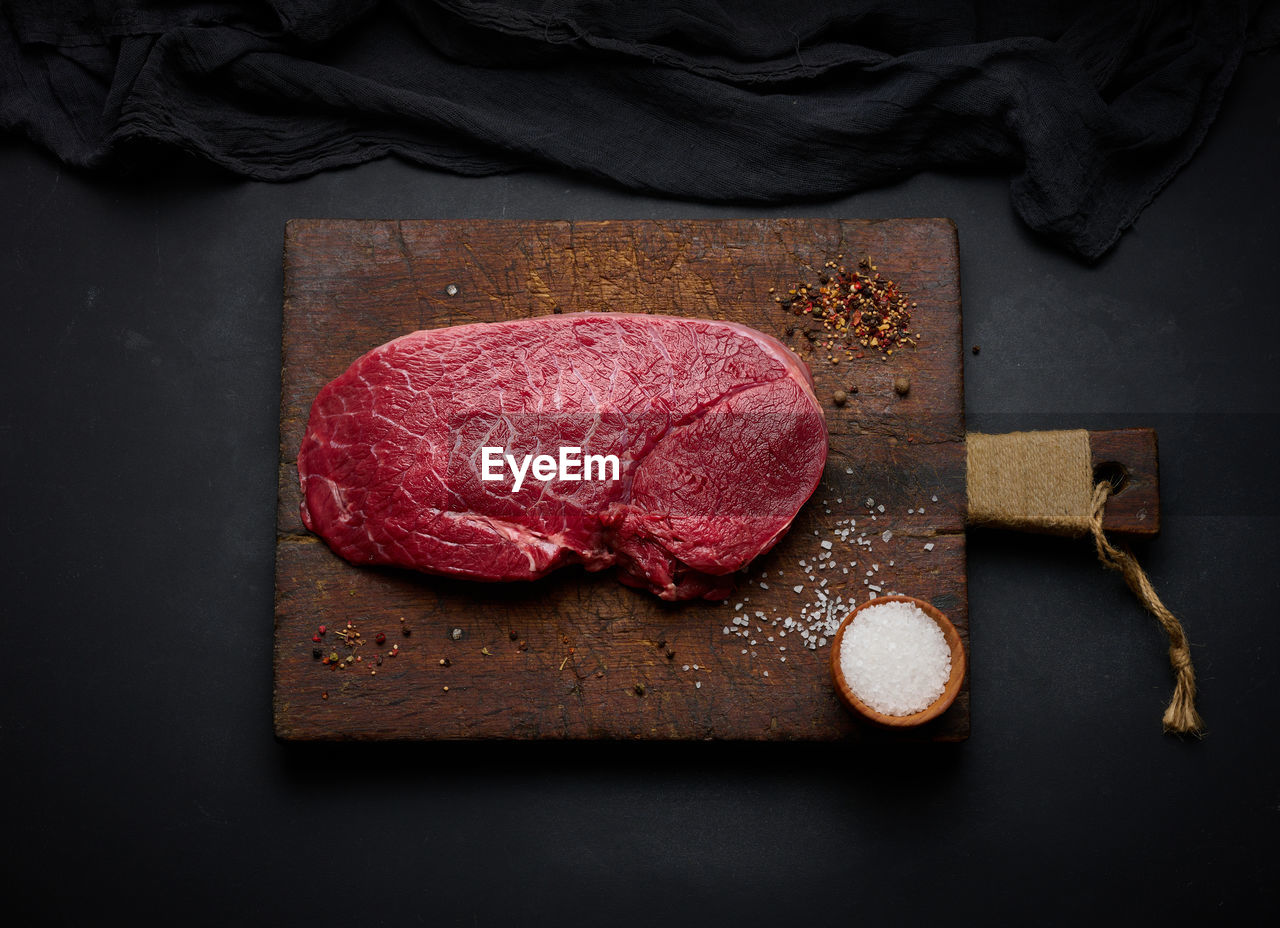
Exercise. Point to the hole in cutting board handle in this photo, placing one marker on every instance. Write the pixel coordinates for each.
(1114, 473)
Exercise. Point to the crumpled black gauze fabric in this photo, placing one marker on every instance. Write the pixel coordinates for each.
(1090, 106)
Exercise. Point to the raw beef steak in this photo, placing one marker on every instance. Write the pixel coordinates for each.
(717, 434)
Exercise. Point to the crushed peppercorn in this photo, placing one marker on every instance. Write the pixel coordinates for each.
(857, 308)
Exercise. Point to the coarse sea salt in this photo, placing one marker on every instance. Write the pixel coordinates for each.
(895, 658)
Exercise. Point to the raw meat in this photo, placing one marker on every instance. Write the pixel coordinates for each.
(715, 427)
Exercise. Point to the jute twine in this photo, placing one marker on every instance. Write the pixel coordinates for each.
(1043, 482)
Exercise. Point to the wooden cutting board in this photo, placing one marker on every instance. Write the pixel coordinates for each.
(579, 655)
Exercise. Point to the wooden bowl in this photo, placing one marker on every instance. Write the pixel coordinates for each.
(934, 709)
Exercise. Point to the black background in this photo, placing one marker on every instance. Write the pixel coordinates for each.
(139, 432)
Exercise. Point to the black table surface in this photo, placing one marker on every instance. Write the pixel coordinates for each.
(139, 433)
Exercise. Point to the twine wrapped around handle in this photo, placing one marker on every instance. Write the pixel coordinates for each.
(1043, 482)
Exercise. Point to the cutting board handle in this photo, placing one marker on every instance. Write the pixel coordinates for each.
(1129, 459)
(1044, 481)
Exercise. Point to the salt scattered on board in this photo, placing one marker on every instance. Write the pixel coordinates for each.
(823, 603)
(895, 658)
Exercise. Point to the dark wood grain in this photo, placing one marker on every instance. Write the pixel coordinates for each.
(1129, 457)
(579, 655)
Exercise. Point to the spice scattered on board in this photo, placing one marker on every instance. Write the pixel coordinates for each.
(858, 310)
(353, 640)
(857, 551)
(822, 588)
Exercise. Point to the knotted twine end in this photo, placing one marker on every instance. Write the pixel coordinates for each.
(1043, 482)
(1181, 716)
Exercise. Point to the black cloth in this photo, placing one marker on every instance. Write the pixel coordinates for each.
(1091, 106)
